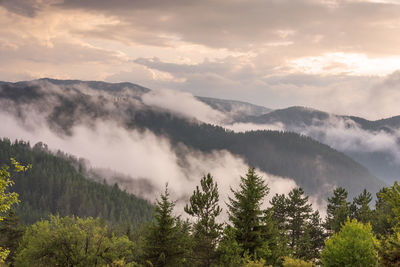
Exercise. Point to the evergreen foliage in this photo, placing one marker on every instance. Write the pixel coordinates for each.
(203, 205)
(363, 212)
(298, 213)
(11, 233)
(229, 250)
(55, 186)
(167, 242)
(383, 217)
(246, 214)
(280, 153)
(338, 211)
(7, 198)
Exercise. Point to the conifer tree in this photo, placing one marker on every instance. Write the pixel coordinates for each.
(245, 212)
(279, 211)
(298, 212)
(166, 243)
(382, 218)
(11, 232)
(313, 238)
(206, 231)
(363, 212)
(338, 210)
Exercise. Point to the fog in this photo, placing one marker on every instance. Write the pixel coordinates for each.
(140, 157)
(139, 161)
(183, 104)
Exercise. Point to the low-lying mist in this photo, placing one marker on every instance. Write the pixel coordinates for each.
(146, 161)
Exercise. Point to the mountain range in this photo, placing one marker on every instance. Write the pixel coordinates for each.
(374, 144)
(193, 131)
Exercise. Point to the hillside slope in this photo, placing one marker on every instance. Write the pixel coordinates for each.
(55, 186)
(314, 166)
(375, 144)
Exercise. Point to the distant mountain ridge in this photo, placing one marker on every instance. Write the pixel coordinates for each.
(314, 166)
(303, 116)
(382, 162)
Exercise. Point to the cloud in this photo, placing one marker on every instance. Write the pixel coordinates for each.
(341, 133)
(140, 156)
(273, 53)
(346, 135)
(138, 160)
(184, 104)
(241, 127)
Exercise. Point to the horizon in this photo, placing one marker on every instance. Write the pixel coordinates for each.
(224, 99)
(340, 56)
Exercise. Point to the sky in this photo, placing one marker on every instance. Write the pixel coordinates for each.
(340, 56)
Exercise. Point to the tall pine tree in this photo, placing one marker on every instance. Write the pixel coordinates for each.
(363, 212)
(338, 210)
(166, 243)
(206, 230)
(298, 213)
(11, 232)
(246, 214)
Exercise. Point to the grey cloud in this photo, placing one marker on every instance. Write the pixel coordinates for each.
(22, 7)
(27, 8)
(349, 26)
(373, 97)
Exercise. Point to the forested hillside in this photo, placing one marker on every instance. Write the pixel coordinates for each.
(54, 186)
(310, 163)
(373, 143)
(66, 104)
(289, 232)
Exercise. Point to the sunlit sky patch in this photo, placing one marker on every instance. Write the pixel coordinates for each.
(334, 55)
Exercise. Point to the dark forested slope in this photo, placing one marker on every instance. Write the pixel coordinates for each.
(55, 186)
(314, 166)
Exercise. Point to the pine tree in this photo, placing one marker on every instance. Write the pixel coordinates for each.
(338, 210)
(246, 214)
(312, 241)
(279, 210)
(298, 212)
(382, 218)
(363, 212)
(11, 232)
(166, 242)
(204, 207)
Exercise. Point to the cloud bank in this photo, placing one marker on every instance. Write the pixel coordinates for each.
(146, 161)
(332, 55)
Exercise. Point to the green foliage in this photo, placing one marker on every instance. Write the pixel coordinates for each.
(363, 212)
(312, 240)
(54, 185)
(338, 211)
(353, 245)
(7, 199)
(229, 249)
(206, 231)
(71, 241)
(389, 250)
(383, 217)
(246, 214)
(256, 263)
(391, 196)
(167, 242)
(291, 262)
(11, 232)
(298, 214)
